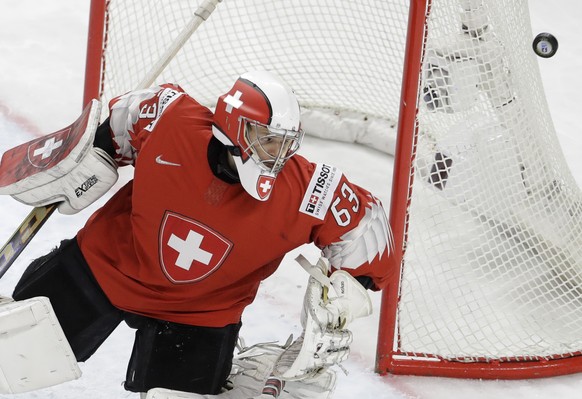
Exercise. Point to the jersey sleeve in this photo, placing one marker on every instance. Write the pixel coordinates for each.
(355, 235)
(133, 116)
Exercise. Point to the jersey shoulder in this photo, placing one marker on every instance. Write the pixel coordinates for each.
(313, 185)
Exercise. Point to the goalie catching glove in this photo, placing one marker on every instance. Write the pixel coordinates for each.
(61, 167)
(329, 305)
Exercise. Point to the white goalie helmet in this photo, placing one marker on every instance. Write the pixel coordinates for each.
(258, 119)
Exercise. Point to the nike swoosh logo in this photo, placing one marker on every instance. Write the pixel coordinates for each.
(162, 162)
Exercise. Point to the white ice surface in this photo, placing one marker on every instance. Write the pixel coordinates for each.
(42, 57)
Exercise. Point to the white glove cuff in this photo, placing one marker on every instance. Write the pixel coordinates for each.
(95, 174)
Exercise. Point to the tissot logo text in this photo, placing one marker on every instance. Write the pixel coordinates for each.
(318, 196)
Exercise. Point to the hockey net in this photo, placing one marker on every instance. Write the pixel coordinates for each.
(485, 213)
(344, 62)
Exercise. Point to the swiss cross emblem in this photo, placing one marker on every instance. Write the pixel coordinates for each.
(233, 101)
(22, 163)
(313, 199)
(43, 151)
(265, 185)
(190, 250)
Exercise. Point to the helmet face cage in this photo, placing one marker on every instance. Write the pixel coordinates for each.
(267, 146)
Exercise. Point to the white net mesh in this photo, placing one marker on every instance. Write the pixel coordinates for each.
(492, 268)
(343, 57)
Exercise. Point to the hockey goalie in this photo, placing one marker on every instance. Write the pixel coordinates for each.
(216, 201)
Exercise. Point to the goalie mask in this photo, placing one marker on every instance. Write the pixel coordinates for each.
(258, 120)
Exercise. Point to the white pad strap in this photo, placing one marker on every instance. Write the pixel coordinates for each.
(92, 177)
(34, 352)
(318, 271)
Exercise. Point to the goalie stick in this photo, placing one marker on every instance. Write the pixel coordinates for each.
(23, 234)
(39, 215)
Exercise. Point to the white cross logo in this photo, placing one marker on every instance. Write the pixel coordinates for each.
(189, 250)
(265, 186)
(233, 101)
(48, 147)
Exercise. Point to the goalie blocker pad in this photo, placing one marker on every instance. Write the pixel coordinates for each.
(34, 352)
(60, 167)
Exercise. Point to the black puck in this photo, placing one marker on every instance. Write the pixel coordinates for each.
(545, 45)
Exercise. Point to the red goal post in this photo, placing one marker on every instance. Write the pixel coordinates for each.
(485, 213)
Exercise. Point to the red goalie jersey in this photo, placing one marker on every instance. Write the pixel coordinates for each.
(180, 244)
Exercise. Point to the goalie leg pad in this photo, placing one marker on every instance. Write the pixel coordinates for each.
(313, 352)
(35, 352)
(85, 314)
(320, 386)
(250, 371)
(179, 356)
(163, 393)
(251, 378)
